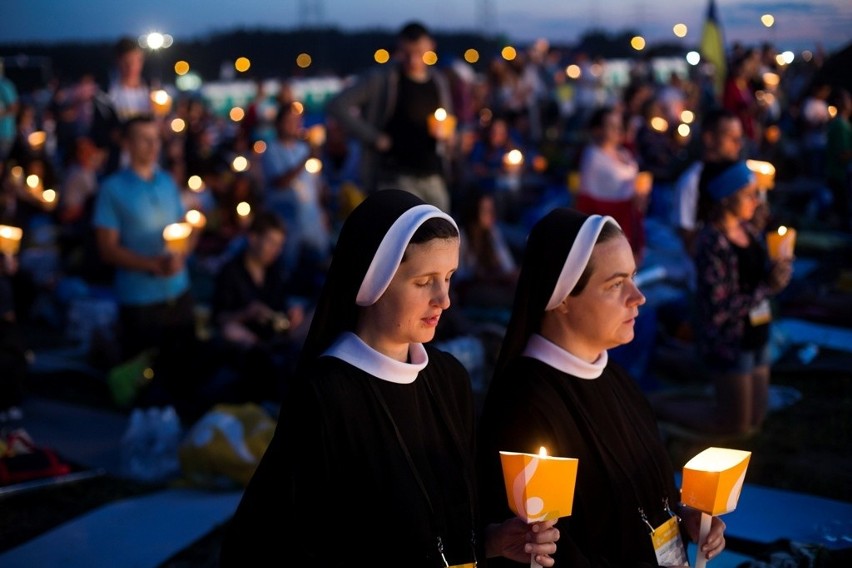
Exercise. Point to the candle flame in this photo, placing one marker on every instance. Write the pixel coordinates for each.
(514, 157)
(8, 232)
(441, 114)
(782, 230)
(313, 165)
(195, 218)
(760, 167)
(176, 231)
(160, 97)
(542, 451)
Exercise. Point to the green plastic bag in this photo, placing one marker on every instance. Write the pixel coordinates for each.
(126, 379)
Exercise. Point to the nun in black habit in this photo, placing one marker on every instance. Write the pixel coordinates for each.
(555, 387)
(372, 461)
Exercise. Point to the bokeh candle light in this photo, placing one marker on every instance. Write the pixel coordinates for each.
(243, 213)
(161, 102)
(313, 165)
(781, 243)
(764, 172)
(316, 135)
(10, 239)
(442, 125)
(512, 161)
(195, 218)
(176, 236)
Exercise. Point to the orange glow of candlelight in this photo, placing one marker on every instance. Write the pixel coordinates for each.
(442, 125)
(313, 165)
(161, 102)
(780, 243)
(764, 172)
(512, 161)
(316, 135)
(196, 218)
(176, 236)
(10, 239)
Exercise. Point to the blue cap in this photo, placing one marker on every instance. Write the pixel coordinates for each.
(730, 181)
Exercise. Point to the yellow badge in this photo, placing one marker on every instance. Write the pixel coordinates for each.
(668, 545)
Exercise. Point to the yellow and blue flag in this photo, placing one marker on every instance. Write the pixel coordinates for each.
(712, 48)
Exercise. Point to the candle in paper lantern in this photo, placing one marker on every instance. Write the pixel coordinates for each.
(539, 487)
(176, 236)
(243, 213)
(10, 239)
(37, 139)
(712, 482)
(643, 183)
(764, 172)
(33, 181)
(780, 243)
(47, 198)
(195, 218)
(313, 165)
(442, 125)
(161, 102)
(316, 135)
(512, 161)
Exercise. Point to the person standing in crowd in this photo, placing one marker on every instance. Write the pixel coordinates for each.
(721, 139)
(394, 105)
(378, 427)
(295, 192)
(127, 95)
(555, 386)
(838, 159)
(735, 281)
(608, 178)
(256, 327)
(128, 91)
(152, 285)
(814, 123)
(738, 97)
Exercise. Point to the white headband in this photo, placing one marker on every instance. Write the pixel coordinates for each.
(389, 254)
(578, 258)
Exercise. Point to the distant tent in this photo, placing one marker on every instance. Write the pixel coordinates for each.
(712, 47)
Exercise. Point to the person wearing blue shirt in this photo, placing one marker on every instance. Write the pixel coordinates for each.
(151, 285)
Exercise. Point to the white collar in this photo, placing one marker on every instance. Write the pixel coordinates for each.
(551, 354)
(352, 349)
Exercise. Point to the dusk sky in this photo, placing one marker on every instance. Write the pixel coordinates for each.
(799, 24)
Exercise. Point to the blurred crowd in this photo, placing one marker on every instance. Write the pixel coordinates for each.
(272, 185)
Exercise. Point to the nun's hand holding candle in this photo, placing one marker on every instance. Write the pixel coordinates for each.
(555, 386)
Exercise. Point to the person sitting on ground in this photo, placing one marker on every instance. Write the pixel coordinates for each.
(256, 326)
